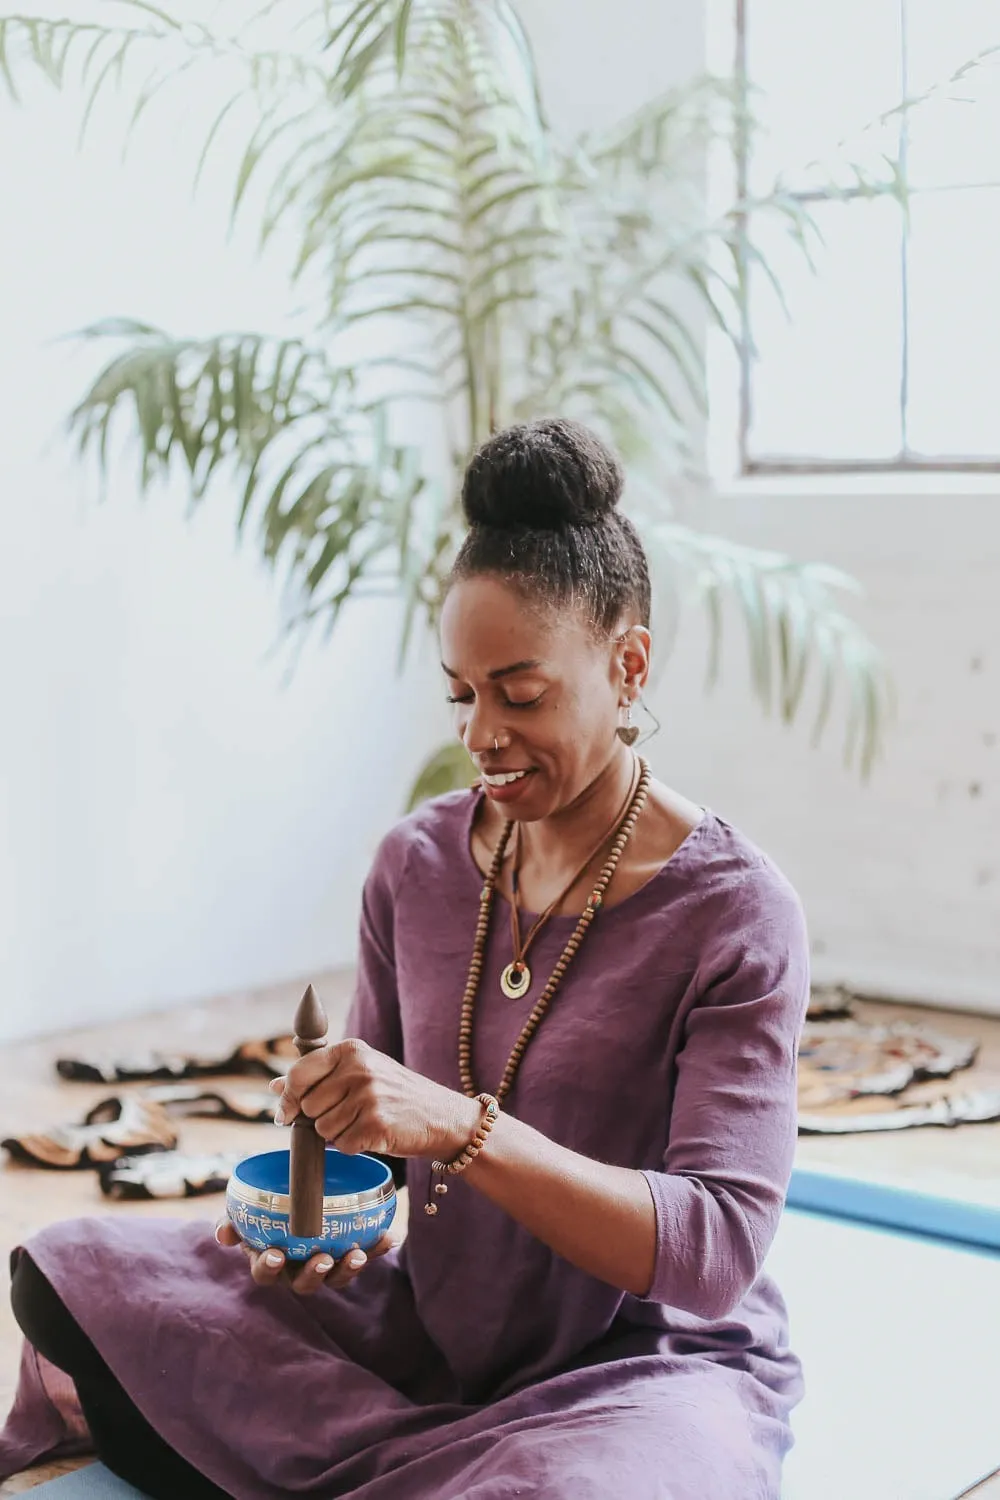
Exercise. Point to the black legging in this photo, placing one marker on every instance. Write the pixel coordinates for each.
(123, 1438)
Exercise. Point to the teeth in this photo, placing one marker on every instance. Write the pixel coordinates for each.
(505, 778)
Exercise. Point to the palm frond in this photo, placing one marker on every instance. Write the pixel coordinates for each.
(490, 267)
(209, 401)
(61, 50)
(92, 57)
(666, 132)
(797, 633)
(331, 493)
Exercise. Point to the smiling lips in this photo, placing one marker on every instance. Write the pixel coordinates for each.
(503, 778)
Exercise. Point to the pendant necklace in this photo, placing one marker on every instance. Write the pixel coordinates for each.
(636, 803)
(515, 981)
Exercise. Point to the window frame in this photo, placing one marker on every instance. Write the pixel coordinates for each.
(759, 465)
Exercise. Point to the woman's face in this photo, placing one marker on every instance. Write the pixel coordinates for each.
(538, 684)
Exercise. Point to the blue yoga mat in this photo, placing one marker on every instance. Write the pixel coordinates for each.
(95, 1482)
(976, 1225)
(880, 1210)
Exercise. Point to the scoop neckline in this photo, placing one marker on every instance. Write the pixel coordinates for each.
(684, 848)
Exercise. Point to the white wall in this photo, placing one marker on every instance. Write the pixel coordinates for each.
(174, 821)
(901, 878)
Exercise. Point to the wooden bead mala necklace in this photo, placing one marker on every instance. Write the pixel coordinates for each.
(491, 1104)
(515, 980)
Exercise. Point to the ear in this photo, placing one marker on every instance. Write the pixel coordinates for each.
(633, 646)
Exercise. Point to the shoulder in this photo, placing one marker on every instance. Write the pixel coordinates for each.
(435, 830)
(742, 901)
(740, 874)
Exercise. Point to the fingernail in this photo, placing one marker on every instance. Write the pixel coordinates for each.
(272, 1258)
(218, 1234)
(324, 1265)
(279, 1116)
(356, 1260)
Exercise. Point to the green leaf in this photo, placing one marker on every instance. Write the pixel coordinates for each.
(116, 60)
(712, 598)
(792, 624)
(678, 357)
(417, 179)
(5, 65)
(248, 163)
(448, 770)
(214, 129)
(400, 34)
(149, 92)
(355, 67)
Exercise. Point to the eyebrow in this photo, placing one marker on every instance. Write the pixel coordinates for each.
(498, 672)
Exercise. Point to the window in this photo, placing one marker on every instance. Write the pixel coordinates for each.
(889, 354)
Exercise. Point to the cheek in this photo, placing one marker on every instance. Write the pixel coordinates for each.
(576, 720)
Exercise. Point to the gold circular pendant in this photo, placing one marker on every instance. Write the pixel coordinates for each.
(515, 981)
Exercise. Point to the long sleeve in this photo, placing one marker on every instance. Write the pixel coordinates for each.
(374, 1013)
(733, 1123)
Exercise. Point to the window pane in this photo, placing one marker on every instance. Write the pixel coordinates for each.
(825, 71)
(954, 324)
(827, 384)
(955, 133)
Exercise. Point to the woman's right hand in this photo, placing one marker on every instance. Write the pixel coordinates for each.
(269, 1266)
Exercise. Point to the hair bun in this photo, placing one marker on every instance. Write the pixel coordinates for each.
(542, 476)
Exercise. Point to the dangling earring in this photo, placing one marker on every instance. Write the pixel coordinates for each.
(628, 732)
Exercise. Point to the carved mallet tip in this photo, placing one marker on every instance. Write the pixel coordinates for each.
(310, 1018)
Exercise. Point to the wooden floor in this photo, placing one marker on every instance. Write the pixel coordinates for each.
(34, 1096)
(961, 1163)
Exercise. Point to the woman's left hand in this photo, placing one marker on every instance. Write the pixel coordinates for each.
(362, 1100)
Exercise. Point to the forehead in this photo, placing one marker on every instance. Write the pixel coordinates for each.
(486, 625)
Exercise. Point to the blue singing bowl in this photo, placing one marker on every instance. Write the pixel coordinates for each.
(359, 1204)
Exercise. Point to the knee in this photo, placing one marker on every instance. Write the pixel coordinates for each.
(42, 1316)
(31, 1296)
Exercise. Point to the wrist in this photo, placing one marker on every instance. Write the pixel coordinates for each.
(460, 1130)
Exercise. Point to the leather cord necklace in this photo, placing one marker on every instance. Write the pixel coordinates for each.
(515, 980)
(594, 903)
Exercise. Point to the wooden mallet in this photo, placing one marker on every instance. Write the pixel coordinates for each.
(307, 1152)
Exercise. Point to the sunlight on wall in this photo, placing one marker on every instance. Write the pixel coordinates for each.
(174, 819)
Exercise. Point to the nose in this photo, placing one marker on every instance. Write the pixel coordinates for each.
(479, 735)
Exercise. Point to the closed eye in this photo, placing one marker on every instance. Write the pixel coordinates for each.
(507, 702)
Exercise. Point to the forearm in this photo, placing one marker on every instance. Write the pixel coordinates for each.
(598, 1217)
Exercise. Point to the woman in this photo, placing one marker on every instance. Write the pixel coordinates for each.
(582, 1311)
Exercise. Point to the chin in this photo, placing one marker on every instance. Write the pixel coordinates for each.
(530, 803)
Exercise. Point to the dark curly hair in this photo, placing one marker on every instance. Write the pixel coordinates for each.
(541, 502)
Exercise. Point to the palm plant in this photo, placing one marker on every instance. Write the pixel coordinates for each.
(459, 254)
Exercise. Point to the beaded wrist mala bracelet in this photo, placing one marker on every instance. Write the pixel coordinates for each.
(441, 1169)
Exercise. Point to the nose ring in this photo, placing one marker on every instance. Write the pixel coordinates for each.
(496, 745)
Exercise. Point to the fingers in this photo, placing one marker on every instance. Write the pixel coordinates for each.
(307, 1075)
(320, 1271)
(347, 1269)
(310, 1277)
(389, 1241)
(336, 1125)
(313, 1069)
(268, 1267)
(287, 1106)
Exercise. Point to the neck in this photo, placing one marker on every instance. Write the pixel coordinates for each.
(568, 835)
